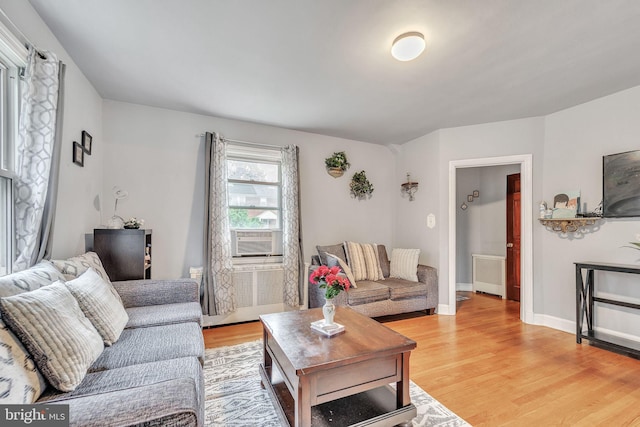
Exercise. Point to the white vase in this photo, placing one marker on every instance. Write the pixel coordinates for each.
(115, 222)
(328, 310)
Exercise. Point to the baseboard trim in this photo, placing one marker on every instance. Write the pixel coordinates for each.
(467, 287)
(553, 322)
(569, 326)
(446, 309)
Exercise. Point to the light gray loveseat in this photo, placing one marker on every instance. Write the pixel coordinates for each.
(152, 375)
(383, 297)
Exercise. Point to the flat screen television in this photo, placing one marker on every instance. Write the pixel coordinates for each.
(621, 185)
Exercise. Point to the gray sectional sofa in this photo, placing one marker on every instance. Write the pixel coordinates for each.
(152, 375)
(382, 297)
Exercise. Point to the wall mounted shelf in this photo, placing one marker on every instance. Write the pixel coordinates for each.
(568, 225)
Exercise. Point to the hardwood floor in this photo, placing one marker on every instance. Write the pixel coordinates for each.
(493, 370)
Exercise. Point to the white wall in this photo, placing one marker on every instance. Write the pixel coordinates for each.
(576, 139)
(434, 152)
(75, 213)
(420, 158)
(482, 227)
(157, 156)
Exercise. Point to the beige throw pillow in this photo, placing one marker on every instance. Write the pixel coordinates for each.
(345, 267)
(404, 264)
(50, 324)
(73, 268)
(97, 301)
(363, 260)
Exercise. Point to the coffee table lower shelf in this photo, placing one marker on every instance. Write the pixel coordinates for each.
(372, 408)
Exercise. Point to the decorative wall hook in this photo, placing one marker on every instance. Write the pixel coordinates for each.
(409, 187)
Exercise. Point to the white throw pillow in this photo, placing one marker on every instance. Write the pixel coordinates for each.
(97, 301)
(404, 264)
(20, 380)
(50, 324)
(347, 271)
(41, 274)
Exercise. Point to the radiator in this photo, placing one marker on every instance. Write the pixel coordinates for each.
(489, 274)
(259, 290)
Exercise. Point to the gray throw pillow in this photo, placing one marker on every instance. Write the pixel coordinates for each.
(345, 268)
(384, 260)
(50, 324)
(98, 302)
(337, 250)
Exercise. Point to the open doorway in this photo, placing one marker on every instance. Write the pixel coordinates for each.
(526, 262)
(487, 244)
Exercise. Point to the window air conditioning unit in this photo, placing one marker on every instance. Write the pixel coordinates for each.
(256, 242)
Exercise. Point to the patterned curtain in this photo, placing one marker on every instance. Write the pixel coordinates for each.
(292, 242)
(217, 281)
(36, 182)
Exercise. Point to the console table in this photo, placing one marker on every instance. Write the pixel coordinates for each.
(585, 299)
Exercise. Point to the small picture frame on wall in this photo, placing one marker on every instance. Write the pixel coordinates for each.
(476, 193)
(86, 141)
(470, 198)
(463, 206)
(78, 154)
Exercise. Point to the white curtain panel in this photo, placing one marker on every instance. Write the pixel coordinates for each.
(217, 279)
(34, 152)
(291, 225)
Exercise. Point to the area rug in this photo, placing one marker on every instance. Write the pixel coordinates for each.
(461, 298)
(233, 396)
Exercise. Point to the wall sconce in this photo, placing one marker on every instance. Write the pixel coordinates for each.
(409, 188)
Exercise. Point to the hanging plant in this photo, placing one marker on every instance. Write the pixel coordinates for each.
(337, 164)
(360, 186)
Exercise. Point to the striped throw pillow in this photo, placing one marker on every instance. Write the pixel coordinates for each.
(98, 302)
(50, 324)
(363, 261)
(404, 264)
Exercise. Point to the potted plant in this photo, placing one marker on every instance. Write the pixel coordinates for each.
(337, 164)
(134, 223)
(360, 186)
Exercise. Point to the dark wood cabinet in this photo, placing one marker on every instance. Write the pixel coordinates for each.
(125, 254)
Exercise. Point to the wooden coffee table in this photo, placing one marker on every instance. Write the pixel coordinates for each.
(343, 380)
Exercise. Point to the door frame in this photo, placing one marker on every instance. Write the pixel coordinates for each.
(526, 216)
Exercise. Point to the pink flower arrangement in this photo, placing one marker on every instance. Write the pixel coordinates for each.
(329, 279)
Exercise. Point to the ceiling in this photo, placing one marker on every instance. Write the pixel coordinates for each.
(324, 66)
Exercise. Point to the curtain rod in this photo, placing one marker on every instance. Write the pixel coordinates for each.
(250, 144)
(25, 39)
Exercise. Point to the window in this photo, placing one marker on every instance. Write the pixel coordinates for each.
(254, 188)
(254, 194)
(12, 57)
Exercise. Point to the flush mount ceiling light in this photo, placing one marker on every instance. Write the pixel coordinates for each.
(408, 46)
